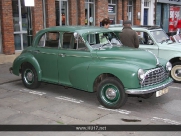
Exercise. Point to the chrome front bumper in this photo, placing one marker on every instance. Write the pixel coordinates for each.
(150, 89)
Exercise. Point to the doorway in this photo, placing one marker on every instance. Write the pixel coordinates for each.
(145, 17)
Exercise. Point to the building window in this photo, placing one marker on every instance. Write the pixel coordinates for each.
(20, 24)
(62, 17)
(90, 12)
(130, 10)
(146, 3)
(112, 10)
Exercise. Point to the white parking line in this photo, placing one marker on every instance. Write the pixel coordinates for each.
(38, 93)
(69, 99)
(168, 121)
(25, 90)
(32, 92)
(116, 110)
(175, 87)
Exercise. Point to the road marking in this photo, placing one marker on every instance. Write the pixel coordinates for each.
(38, 93)
(26, 90)
(116, 110)
(32, 92)
(168, 121)
(174, 87)
(69, 99)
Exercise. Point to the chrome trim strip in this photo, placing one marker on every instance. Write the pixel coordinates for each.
(146, 91)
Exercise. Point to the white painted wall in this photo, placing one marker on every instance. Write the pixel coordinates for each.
(151, 12)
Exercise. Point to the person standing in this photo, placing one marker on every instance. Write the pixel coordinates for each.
(128, 36)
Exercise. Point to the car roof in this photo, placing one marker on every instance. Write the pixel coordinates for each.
(79, 29)
(138, 26)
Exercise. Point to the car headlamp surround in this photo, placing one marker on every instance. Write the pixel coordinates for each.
(168, 66)
(141, 74)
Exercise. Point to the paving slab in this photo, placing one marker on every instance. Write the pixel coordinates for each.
(6, 112)
(24, 118)
(85, 113)
(15, 134)
(57, 117)
(120, 119)
(35, 105)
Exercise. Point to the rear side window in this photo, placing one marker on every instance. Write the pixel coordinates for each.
(50, 40)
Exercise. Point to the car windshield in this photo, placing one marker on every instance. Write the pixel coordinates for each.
(103, 40)
(160, 36)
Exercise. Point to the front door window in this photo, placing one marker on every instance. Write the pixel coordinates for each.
(20, 24)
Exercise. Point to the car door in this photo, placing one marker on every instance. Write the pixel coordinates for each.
(46, 53)
(147, 42)
(73, 61)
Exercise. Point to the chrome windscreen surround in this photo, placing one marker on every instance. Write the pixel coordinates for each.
(154, 76)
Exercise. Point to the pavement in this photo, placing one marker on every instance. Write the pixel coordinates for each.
(19, 105)
(6, 62)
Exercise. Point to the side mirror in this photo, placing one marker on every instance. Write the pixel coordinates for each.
(76, 36)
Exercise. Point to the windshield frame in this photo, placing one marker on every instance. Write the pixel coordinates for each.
(159, 35)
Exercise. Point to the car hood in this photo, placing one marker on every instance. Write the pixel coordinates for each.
(138, 57)
(170, 46)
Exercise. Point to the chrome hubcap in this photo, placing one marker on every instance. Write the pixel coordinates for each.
(178, 72)
(110, 93)
(29, 76)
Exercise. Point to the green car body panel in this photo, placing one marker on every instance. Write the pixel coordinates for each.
(86, 67)
(163, 48)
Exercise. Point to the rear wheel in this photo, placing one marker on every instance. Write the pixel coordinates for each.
(29, 76)
(176, 72)
(111, 93)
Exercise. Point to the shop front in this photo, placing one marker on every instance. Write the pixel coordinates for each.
(168, 15)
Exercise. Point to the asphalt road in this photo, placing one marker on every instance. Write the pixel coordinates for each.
(55, 104)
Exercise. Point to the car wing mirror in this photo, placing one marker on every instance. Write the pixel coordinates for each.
(150, 42)
(76, 36)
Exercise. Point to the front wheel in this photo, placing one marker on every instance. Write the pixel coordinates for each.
(176, 72)
(29, 77)
(111, 93)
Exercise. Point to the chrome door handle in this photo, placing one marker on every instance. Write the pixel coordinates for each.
(37, 51)
(62, 54)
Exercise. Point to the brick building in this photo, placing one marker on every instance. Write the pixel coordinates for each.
(46, 13)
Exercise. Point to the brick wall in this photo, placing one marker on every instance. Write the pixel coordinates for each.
(73, 16)
(137, 8)
(81, 12)
(119, 11)
(7, 27)
(50, 13)
(76, 16)
(124, 9)
(101, 11)
(37, 16)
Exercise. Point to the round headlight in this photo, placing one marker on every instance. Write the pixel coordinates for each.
(141, 74)
(168, 66)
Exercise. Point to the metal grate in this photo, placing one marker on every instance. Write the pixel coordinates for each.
(154, 76)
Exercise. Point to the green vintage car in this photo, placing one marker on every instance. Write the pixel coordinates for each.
(92, 59)
(156, 40)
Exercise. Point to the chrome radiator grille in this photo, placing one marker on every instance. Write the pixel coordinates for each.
(154, 76)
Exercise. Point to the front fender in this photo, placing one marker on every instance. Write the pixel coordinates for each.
(169, 55)
(26, 57)
(125, 72)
